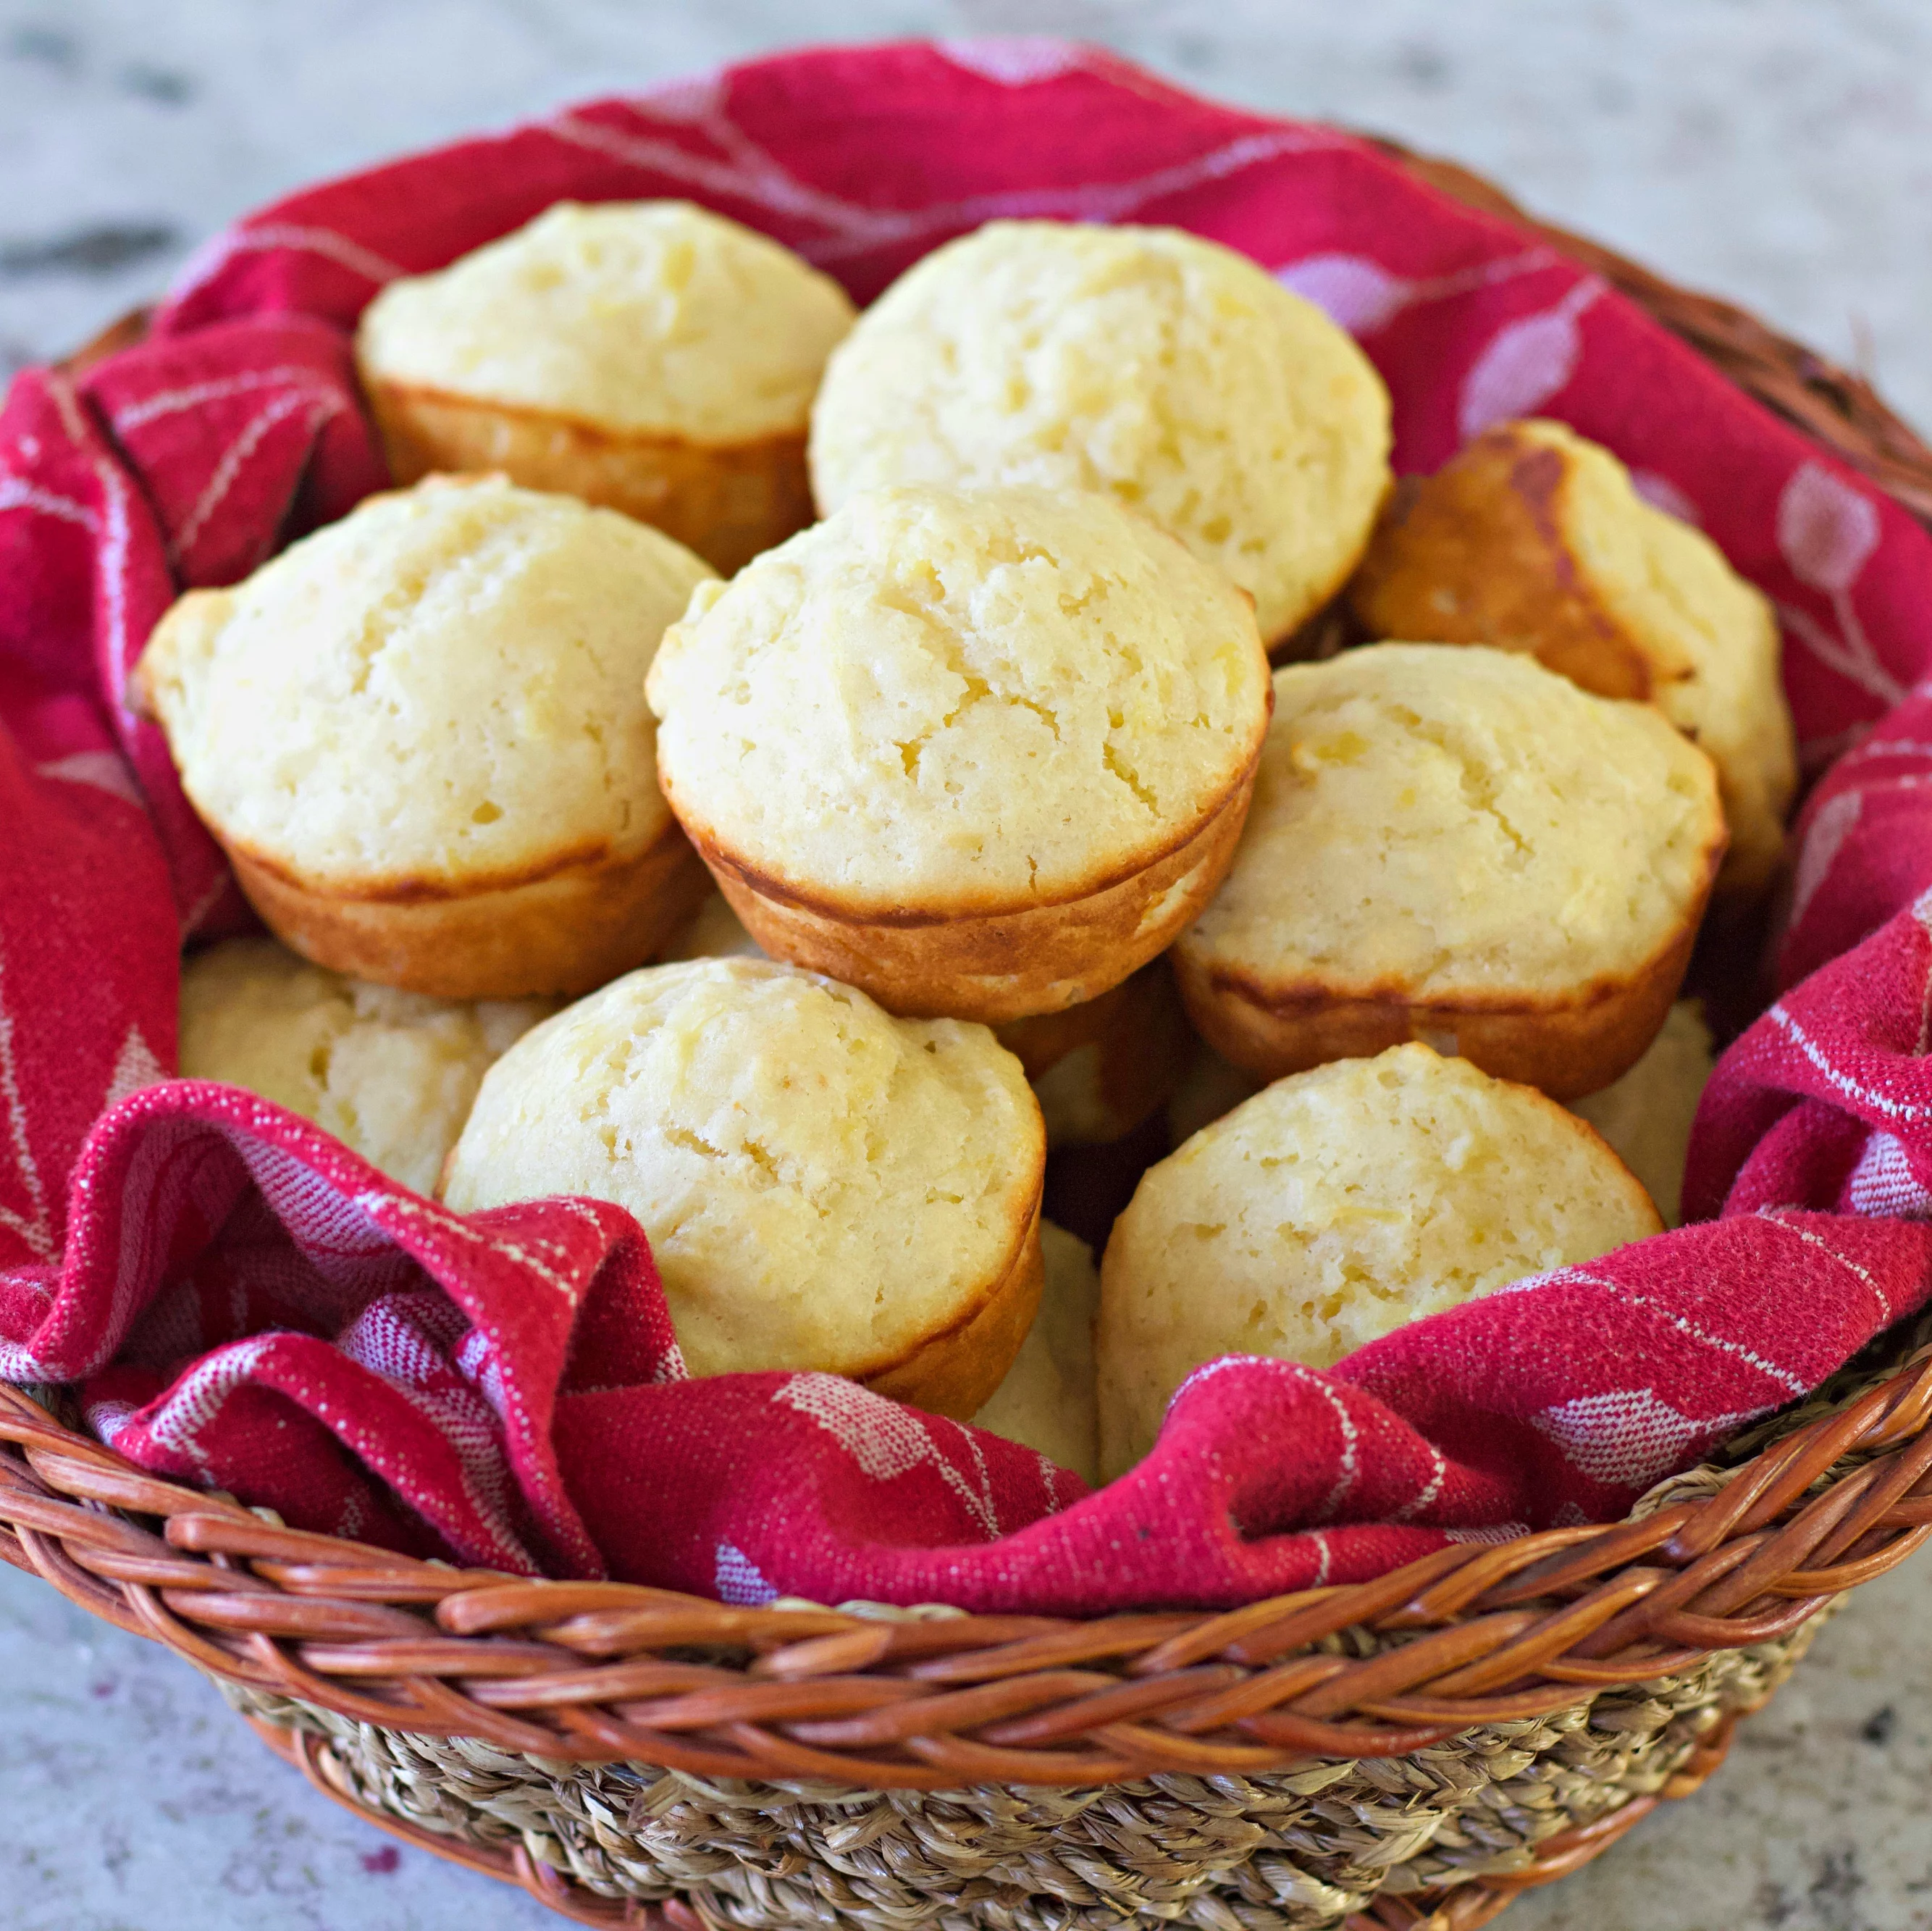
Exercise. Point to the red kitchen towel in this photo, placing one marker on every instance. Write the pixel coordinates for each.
(245, 1303)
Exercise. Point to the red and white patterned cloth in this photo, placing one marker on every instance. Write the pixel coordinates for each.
(246, 1304)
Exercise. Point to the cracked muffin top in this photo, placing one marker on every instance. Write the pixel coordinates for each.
(1434, 821)
(962, 701)
(823, 1186)
(1161, 368)
(444, 690)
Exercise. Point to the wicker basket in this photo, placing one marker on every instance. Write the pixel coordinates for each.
(1411, 1751)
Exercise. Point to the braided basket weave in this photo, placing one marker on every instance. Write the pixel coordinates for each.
(1410, 1752)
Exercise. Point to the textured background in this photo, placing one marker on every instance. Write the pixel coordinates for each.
(1777, 151)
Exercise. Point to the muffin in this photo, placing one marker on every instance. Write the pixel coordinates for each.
(645, 355)
(1646, 1116)
(982, 753)
(1166, 370)
(420, 734)
(1534, 539)
(1046, 1402)
(1098, 1070)
(1461, 847)
(824, 1186)
(1333, 1208)
(391, 1074)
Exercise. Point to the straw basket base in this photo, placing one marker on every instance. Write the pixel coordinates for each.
(1444, 1837)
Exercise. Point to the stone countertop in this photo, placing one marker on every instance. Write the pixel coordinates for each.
(1777, 151)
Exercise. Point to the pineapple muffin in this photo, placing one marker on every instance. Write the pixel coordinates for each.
(645, 355)
(1332, 1208)
(1166, 370)
(980, 753)
(391, 1074)
(1534, 539)
(420, 734)
(823, 1186)
(1047, 1402)
(1459, 846)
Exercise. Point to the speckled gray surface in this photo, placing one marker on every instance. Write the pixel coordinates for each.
(1776, 151)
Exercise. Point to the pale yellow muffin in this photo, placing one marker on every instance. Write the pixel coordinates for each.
(823, 1186)
(1459, 846)
(1333, 1207)
(1534, 539)
(1646, 1116)
(420, 735)
(981, 753)
(1047, 1400)
(391, 1074)
(1166, 370)
(1097, 1069)
(650, 356)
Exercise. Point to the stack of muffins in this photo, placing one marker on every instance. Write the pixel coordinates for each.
(876, 855)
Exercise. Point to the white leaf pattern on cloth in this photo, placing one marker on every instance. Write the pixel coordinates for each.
(1525, 363)
(1824, 839)
(15, 494)
(135, 1066)
(886, 1439)
(235, 459)
(883, 1438)
(134, 416)
(178, 1421)
(1660, 492)
(1884, 1183)
(107, 1418)
(1628, 1436)
(1354, 293)
(1015, 60)
(738, 1579)
(202, 265)
(105, 770)
(1849, 655)
(1361, 295)
(691, 100)
(1826, 530)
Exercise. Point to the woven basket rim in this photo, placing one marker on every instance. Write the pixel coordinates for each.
(1473, 1634)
